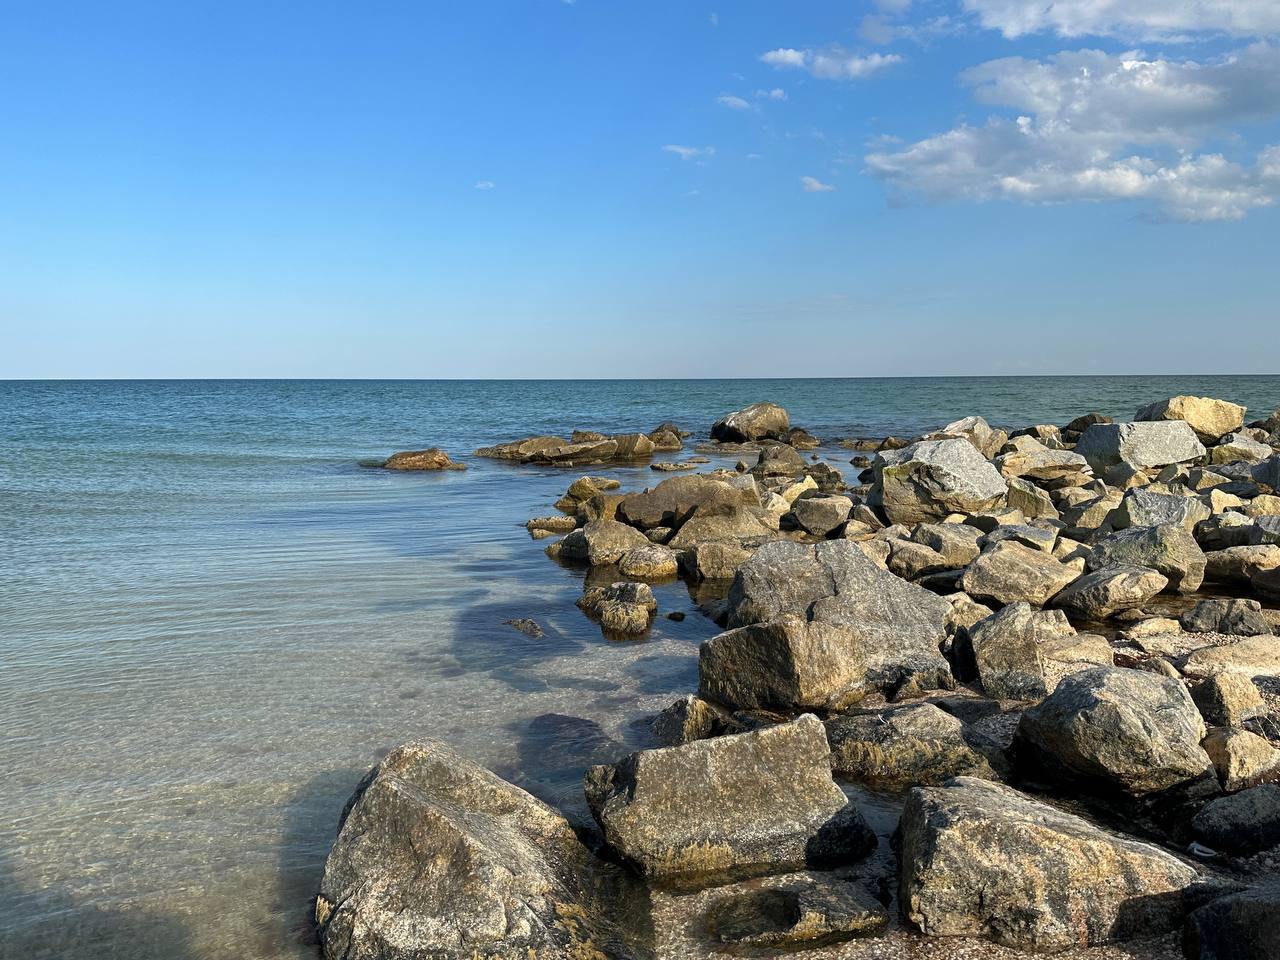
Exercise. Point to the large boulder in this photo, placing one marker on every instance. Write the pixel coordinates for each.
(1010, 572)
(901, 625)
(934, 478)
(1167, 548)
(437, 857)
(432, 458)
(906, 746)
(1252, 656)
(1242, 926)
(754, 802)
(822, 514)
(713, 522)
(1143, 508)
(1130, 730)
(758, 421)
(1097, 595)
(672, 502)
(986, 440)
(1139, 445)
(1241, 618)
(980, 859)
(1209, 418)
(1028, 457)
(601, 542)
(1006, 650)
(1239, 564)
(785, 664)
(1242, 823)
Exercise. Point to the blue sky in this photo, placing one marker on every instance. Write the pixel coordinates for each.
(613, 189)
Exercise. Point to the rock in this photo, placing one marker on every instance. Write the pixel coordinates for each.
(519, 449)
(672, 502)
(1228, 700)
(691, 718)
(1085, 517)
(931, 479)
(1010, 572)
(1239, 564)
(1097, 595)
(821, 515)
(1242, 824)
(1252, 656)
(601, 542)
(977, 431)
(761, 801)
(758, 421)
(438, 857)
(910, 560)
(1039, 538)
(1143, 508)
(526, 626)
(1030, 499)
(1263, 505)
(1241, 758)
(1006, 650)
(1209, 418)
(980, 859)
(1224, 531)
(794, 912)
(1167, 548)
(552, 524)
(1243, 926)
(1133, 731)
(1266, 529)
(1138, 444)
(1266, 583)
(1028, 457)
(432, 458)
(1236, 447)
(716, 523)
(1241, 618)
(901, 747)
(780, 460)
(1079, 425)
(622, 608)
(787, 664)
(900, 624)
(716, 560)
(956, 543)
(650, 562)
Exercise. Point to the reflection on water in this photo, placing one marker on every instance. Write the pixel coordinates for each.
(214, 621)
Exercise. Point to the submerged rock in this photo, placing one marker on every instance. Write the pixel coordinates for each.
(753, 802)
(432, 458)
(799, 911)
(980, 859)
(621, 608)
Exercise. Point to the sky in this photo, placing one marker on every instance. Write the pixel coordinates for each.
(603, 188)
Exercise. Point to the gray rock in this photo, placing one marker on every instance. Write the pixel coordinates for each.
(1138, 444)
(1010, 572)
(986, 440)
(1266, 530)
(759, 802)
(1242, 823)
(438, 857)
(1039, 538)
(1239, 564)
(692, 718)
(793, 912)
(788, 664)
(1224, 531)
(980, 859)
(1235, 447)
(1143, 508)
(1241, 758)
(672, 502)
(1266, 583)
(956, 543)
(900, 624)
(1097, 595)
(1209, 418)
(910, 560)
(1028, 457)
(1228, 700)
(755, 422)
(821, 515)
(1243, 926)
(1006, 650)
(1252, 656)
(1167, 548)
(906, 746)
(1030, 499)
(713, 523)
(1241, 618)
(929, 480)
(601, 542)
(1134, 731)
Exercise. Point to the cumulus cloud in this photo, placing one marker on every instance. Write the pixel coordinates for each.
(485, 185)
(814, 185)
(830, 64)
(1099, 126)
(777, 93)
(1140, 19)
(689, 153)
(733, 103)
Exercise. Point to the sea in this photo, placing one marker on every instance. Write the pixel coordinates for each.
(215, 616)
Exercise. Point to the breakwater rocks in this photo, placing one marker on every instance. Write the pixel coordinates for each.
(1051, 655)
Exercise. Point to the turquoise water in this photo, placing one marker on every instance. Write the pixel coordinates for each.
(212, 619)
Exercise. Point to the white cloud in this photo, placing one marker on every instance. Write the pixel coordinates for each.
(814, 185)
(485, 185)
(777, 93)
(1097, 126)
(1141, 19)
(689, 153)
(714, 19)
(733, 103)
(830, 64)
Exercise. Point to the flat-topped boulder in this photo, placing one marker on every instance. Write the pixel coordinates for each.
(906, 746)
(1209, 418)
(1028, 457)
(601, 542)
(1010, 572)
(756, 802)
(437, 857)
(980, 859)
(1167, 548)
(932, 479)
(758, 421)
(1140, 445)
(1097, 595)
(672, 502)
(584, 447)
(433, 458)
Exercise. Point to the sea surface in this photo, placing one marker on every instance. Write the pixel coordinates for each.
(214, 619)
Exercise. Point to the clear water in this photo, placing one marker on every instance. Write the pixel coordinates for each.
(213, 619)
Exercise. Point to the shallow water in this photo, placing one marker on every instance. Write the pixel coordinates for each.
(213, 620)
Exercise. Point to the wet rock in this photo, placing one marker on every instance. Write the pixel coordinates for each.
(651, 562)
(672, 502)
(934, 478)
(804, 910)
(601, 542)
(1010, 572)
(1097, 595)
(1209, 418)
(622, 608)
(1228, 700)
(1243, 926)
(1241, 758)
(1241, 618)
(1140, 445)
(437, 856)
(692, 718)
(716, 560)
(1006, 650)
(1134, 731)
(788, 664)
(905, 746)
(753, 802)
(758, 421)
(1167, 548)
(552, 524)
(900, 624)
(432, 458)
(519, 449)
(1243, 823)
(821, 515)
(980, 859)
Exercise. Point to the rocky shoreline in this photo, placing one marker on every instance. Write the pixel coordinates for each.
(1054, 652)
